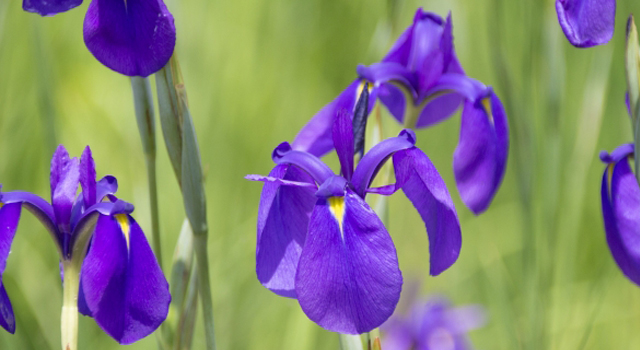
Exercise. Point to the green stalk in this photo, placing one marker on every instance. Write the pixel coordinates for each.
(200, 240)
(69, 317)
(350, 342)
(143, 103)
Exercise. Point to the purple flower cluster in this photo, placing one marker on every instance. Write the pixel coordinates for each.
(132, 37)
(421, 83)
(122, 286)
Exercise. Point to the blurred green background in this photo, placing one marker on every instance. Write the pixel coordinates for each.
(255, 72)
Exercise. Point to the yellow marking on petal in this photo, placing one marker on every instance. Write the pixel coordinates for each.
(361, 87)
(336, 206)
(486, 103)
(123, 221)
(1, 204)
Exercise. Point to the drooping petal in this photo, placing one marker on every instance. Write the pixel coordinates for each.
(132, 37)
(316, 136)
(124, 287)
(375, 158)
(9, 218)
(88, 178)
(348, 279)
(439, 109)
(312, 165)
(39, 207)
(620, 195)
(587, 23)
(283, 217)
(384, 72)
(7, 318)
(49, 7)
(480, 158)
(395, 101)
(422, 184)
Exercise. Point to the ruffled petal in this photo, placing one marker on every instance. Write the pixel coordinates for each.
(132, 37)
(422, 184)
(124, 287)
(283, 217)
(348, 279)
(587, 23)
(480, 158)
(49, 7)
(316, 137)
(620, 195)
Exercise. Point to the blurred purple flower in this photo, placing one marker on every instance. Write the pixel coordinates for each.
(432, 325)
(620, 195)
(320, 242)
(421, 83)
(587, 23)
(122, 286)
(131, 37)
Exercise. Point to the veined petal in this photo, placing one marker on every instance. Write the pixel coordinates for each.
(422, 184)
(620, 201)
(348, 279)
(88, 178)
(124, 287)
(587, 23)
(9, 218)
(132, 37)
(283, 217)
(375, 158)
(480, 158)
(49, 7)
(59, 162)
(316, 137)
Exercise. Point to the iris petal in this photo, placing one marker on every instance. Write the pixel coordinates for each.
(620, 203)
(132, 37)
(283, 218)
(88, 178)
(316, 136)
(9, 218)
(49, 7)
(587, 23)
(480, 158)
(124, 287)
(348, 279)
(422, 184)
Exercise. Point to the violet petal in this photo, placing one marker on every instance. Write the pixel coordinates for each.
(348, 279)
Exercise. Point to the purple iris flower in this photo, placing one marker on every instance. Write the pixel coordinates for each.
(131, 37)
(432, 325)
(122, 286)
(620, 206)
(320, 242)
(421, 83)
(587, 23)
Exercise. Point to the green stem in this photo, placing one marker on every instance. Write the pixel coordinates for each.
(69, 318)
(202, 259)
(143, 103)
(350, 342)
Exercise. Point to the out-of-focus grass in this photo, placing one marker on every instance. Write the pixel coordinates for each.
(256, 71)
